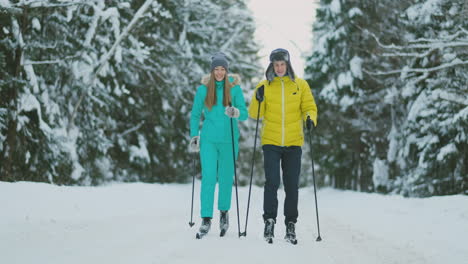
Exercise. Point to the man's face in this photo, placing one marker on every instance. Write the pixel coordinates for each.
(280, 68)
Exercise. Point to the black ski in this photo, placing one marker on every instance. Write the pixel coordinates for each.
(223, 232)
(200, 235)
(291, 240)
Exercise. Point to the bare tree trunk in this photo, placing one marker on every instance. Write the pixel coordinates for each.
(9, 151)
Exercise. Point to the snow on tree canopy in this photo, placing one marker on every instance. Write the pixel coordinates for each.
(380, 173)
(5, 3)
(421, 13)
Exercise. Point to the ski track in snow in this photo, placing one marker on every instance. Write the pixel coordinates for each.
(366, 248)
(148, 223)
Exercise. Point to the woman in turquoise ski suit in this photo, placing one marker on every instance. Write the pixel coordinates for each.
(214, 141)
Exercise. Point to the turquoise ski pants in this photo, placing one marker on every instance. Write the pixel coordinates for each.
(217, 165)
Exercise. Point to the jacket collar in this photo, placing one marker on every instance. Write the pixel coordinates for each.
(285, 78)
(235, 79)
(219, 84)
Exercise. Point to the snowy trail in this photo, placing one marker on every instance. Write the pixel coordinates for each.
(148, 223)
(348, 245)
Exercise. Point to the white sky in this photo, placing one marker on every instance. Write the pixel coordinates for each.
(284, 24)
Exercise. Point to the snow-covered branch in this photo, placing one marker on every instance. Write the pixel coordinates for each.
(17, 8)
(421, 48)
(433, 44)
(10, 10)
(130, 130)
(420, 70)
(28, 62)
(42, 3)
(456, 98)
(464, 30)
(448, 38)
(107, 56)
(231, 39)
(409, 54)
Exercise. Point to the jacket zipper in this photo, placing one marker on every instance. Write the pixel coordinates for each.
(282, 112)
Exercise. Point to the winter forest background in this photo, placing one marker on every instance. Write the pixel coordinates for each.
(100, 91)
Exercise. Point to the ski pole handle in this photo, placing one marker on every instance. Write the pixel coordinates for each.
(259, 95)
(309, 123)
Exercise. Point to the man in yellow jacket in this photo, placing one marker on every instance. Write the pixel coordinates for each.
(284, 103)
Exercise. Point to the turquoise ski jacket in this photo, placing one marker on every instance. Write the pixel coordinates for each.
(216, 127)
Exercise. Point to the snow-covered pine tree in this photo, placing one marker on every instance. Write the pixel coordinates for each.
(354, 117)
(33, 145)
(405, 118)
(429, 142)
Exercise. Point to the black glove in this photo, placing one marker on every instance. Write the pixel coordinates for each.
(259, 94)
(309, 123)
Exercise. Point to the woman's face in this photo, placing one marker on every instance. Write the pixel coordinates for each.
(219, 73)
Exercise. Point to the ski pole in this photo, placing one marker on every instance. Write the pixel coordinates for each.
(259, 97)
(191, 223)
(235, 173)
(309, 127)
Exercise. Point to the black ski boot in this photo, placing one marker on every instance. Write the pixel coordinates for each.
(290, 233)
(223, 222)
(204, 228)
(269, 232)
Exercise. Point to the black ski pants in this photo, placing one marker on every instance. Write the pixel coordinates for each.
(290, 160)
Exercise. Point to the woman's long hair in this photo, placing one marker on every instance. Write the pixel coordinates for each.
(211, 96)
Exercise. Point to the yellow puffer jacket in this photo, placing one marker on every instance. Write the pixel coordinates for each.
(285, 107)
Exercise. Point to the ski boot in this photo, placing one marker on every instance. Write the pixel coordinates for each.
(204, 228)
(269, 232)
(223, 222)
(290, 233)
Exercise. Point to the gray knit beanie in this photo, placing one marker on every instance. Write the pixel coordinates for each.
(219, 59)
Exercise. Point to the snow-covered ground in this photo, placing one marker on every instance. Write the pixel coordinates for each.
(148, 223)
